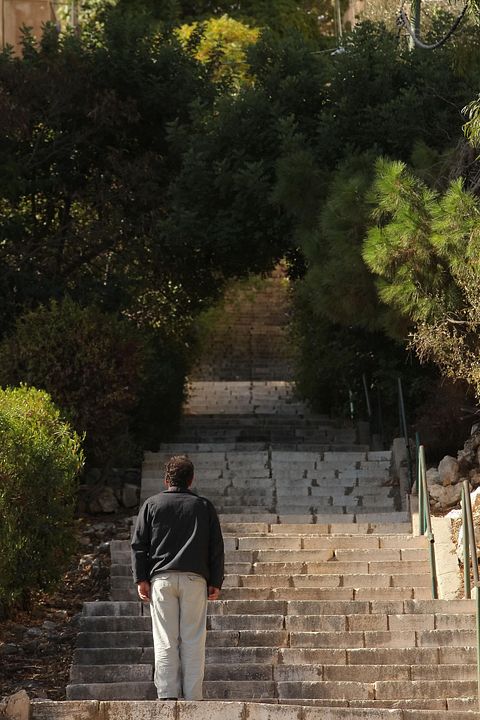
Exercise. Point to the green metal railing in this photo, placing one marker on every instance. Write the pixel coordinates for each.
(425, 525)
(470, 553)
(404, 428)
(424, 517)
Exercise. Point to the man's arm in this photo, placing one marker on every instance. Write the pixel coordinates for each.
(216, 556)
(141, 552)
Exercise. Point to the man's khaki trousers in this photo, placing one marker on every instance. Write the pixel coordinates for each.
(179, 622)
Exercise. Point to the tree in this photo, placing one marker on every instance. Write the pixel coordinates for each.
(308, 17)
(425, 252)
(222, 42)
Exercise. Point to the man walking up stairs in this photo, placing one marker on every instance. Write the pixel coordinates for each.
(325, 611)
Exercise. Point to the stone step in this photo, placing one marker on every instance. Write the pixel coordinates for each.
(417, 608)
(294, 623)
(121, 575)
(329, 552)
(112, 691)
(218, 710)
(328, 593)
(288, 638)
(131, 673)
(292, 593)
(261, 689)
(287, 656)
(355, 581)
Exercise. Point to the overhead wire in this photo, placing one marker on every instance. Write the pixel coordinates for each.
(403, 21)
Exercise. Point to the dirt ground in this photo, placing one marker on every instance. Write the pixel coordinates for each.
(36, 646)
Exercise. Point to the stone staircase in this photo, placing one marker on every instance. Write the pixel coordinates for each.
(326, 602)
(325, 612)
(247, 337)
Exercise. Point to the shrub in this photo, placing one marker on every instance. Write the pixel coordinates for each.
(121, 386)
(40, 457)
(157, 416)
(90, 362)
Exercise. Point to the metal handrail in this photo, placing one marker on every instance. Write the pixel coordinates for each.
(425, 519)
(404, 428)
(470, 552)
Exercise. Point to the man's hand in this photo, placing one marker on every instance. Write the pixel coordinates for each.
(143, 589)
(213, 592)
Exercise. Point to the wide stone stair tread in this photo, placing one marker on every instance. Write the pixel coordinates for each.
(112, 691)
(214, 710)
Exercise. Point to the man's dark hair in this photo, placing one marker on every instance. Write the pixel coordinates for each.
(179, 471)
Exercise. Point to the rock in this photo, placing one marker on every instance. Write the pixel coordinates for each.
(459, 548)
(446, 495)
(466, 460)
(130, 495)
(17, 706)
(104, 547)
(33, 632)
(39, 694)
(84, 541)
(448, 470)
(9, 649)
(475, 500)
(93, 476)
(133, 475)
(104, 501)
(433, 477)
(49, 625)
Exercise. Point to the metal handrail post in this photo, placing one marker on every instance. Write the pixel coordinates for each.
(403, 420)
(466, 549)
(417, 451)
(428, 522)
(474, 556)
(367, 397)
(421, 496)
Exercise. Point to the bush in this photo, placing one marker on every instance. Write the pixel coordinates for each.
(157, 416)
(40, 457)
(121, 386)
(90, 362)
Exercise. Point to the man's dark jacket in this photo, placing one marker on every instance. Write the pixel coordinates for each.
(178, 530)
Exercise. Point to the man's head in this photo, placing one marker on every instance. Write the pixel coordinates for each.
(179, 472)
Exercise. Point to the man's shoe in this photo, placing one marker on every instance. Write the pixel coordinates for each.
(167, 698)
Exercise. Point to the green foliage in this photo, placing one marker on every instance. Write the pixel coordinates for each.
(90, 362)
(157, 414)
(399, 249)
(308, 17)
(472, 126)
(425, 252)
(332, 359)
(85, 174)
(338, 282)
(40, 457)
(222, 42)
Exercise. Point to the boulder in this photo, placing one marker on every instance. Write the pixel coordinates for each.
(445, 496)
(475, 500)
(17, 706)
(433, 477)
(103, 501)
(448, 471)
(474, 477)
(130, 495)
